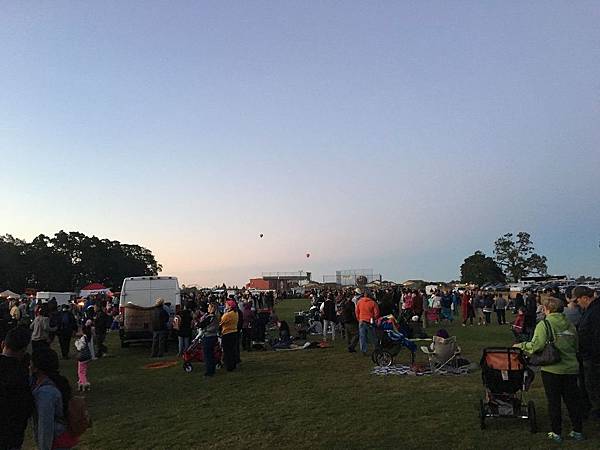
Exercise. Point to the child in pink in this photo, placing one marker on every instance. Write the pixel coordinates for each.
(84, 345)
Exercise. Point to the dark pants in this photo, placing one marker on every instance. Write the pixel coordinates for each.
(247, 339)
(501, 314)
(208, 347)
(351, 335)
(229, 342)
(470, 315)
(101, 348)
(65, 342)
(158, 343)
(591, 387)
(488, 317)
(238, 343)
(35, 345)
(563, 387)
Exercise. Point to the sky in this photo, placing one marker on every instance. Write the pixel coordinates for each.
(398, 136)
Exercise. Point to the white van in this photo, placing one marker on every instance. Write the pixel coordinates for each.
(136, 305)
(62, 298)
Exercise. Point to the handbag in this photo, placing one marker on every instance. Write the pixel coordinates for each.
(549, 354)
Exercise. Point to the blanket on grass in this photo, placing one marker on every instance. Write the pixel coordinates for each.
(401, 369)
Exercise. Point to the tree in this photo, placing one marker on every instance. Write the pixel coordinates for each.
(516, 257)
(480, 269)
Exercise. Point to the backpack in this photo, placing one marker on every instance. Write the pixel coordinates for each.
(79, 418)
(177, 322)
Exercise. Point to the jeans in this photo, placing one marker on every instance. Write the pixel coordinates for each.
(184, 343)
(208, 347)
(351, 335)
(247, 339)
(65, 342)
(591, 376)
(563, 387)
(158, 343)
(501, 314)
(326, 325)
(100, 338)
(366, 333)
(488, 317)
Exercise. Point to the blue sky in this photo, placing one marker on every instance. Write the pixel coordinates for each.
(401, 136)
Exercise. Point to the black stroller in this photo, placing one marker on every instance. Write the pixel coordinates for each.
(506, 376)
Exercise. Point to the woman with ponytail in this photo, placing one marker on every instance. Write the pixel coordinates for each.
(51, 392)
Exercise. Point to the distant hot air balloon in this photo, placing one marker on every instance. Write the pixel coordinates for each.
(308, 255)
(261, 235)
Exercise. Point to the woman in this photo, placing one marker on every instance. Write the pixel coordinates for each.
(51, 392)
(229, 332)
(40, 336)
(560, 379)
(184, 333)
(466, 305)
(247, 326)
(209, 324)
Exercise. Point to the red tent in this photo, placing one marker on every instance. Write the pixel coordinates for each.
(93, 287)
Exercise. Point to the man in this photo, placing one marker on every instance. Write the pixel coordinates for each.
(367, 312)
(589, 346)
(357, 296)
(329, 316)
(159, 328)
(350, 324)
(16, 401)
(100, 327)
(500, 307)
(67, 327)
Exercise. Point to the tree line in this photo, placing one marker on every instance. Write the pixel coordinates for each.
(69, 261)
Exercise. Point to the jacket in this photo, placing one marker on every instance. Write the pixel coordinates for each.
(16, 401)
(210, 324)
(348, 313)
(366, 309)
(48, 421)
(328, 310)
(185, 326)
(589, 333)
(229, 322)
(160, 319)
(41, 329)
(565, 340)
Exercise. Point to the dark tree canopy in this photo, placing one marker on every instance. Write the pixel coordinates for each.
(516, 257)
(480, 269)
(68, 261)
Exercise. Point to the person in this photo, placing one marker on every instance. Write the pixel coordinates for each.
(589, 348)
(573, 311)
(367, 313)
(478, 307)
(530, 313)
(350, 324)
(500, 307)
(466, 306)
(67, 326)
(285, 338)
(488, 308)
(238, 335)
(40, 337)
(51, 392)
(209, 324)
(159, 328)
(248, 323)
(84, 346)
(446, 307)
(184, 333)
(101, 324)
(560, 378)
(15, 313)
(16, 400)
(329, 317)
(229, 329)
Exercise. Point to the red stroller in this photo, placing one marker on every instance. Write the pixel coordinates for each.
(195, 353)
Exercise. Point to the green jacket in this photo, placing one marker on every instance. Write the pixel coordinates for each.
(565, 340)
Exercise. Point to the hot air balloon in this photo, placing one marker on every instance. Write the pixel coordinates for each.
(261, 235)
(308, 255)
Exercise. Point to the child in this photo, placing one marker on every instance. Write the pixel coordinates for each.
(518, 326)
(84, 345)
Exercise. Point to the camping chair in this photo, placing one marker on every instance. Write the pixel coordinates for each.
(444, 353)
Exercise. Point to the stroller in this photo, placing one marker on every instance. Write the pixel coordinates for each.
(506, 376)
(391, 342)
(195, 353)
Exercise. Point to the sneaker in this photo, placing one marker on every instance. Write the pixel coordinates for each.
(576, 436)
(554, 437)
(464, 324)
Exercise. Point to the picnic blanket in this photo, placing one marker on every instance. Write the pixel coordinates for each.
(401, 369)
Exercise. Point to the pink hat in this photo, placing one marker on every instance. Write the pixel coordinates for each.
(231, 303)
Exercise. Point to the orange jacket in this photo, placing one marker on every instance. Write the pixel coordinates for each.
(366, 309)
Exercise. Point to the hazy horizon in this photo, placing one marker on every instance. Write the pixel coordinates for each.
(394, 136)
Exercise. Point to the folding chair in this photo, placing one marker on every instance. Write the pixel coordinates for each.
(444, 353)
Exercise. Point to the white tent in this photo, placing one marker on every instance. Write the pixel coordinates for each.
(9, 294)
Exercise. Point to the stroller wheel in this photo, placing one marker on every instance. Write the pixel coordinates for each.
(385, 359)
(532, 417)
(482, 414)
(375, 356)
(188, 367)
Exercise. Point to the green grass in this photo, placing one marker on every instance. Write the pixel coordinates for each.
(321, 398)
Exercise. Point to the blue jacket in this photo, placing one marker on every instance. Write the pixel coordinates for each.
(48, 420)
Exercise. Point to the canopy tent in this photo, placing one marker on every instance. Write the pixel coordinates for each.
(9, 294)
(94, 289)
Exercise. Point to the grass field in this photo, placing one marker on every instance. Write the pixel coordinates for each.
(321, 398)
